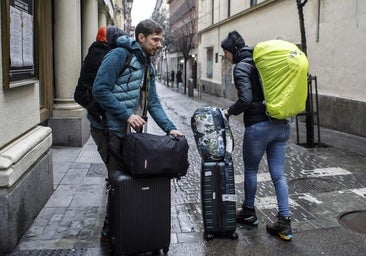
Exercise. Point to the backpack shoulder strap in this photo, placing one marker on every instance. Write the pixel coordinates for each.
(128, 60)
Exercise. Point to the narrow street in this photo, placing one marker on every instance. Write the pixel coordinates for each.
(324, 183)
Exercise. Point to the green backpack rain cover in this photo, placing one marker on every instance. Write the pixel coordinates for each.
(283, 70)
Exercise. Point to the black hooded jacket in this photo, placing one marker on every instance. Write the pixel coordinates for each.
(250, 93)
(89, 69)
(92, 61)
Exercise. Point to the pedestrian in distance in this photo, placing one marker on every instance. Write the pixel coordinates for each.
(122, 95)
(179, 78)
(172, 76)
(262, 135)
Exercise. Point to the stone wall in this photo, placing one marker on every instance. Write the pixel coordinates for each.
(21, 203)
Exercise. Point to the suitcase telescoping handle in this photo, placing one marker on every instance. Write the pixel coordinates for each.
(229, 141)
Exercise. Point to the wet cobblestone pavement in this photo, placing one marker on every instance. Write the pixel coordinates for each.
(323, 183)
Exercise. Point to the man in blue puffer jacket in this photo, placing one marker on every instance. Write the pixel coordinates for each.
(121, 97)
(119, 94)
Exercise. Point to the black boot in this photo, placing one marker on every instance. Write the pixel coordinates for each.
(281, 228)
(247, 216)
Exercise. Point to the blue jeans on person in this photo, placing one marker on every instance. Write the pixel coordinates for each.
(270, 137)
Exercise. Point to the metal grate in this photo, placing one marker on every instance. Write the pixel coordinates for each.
(58, 252)
(315, 185)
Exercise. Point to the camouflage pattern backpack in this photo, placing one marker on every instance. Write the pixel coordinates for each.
(212, 134)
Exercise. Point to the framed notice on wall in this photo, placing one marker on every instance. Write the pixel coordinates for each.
(18, 42)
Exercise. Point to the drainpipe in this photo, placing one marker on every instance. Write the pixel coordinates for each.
(309, 119)
(318, 23)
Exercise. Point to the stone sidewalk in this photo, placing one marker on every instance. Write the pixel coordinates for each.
(324, 183)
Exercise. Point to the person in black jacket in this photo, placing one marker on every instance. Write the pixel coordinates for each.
(172, 76)
(105, 41)
(179, 78)
(262, 135)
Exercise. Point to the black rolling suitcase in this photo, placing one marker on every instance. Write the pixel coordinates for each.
(218, 200)
(140, 214)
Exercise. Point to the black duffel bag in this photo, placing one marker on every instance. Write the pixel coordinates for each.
(148, 155)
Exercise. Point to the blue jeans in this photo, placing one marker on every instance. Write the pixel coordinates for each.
(270, 137)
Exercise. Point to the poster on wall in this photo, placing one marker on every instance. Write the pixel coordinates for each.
(21, 40)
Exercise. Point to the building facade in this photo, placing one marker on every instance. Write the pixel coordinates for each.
(335, 35)
(43, 44)
(183, 17)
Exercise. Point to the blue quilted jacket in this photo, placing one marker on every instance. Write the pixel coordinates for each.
(119, 94)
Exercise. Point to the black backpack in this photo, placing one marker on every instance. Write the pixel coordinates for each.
(83, 91)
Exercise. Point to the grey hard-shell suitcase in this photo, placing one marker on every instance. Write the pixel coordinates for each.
(218, 200)
(140, 214)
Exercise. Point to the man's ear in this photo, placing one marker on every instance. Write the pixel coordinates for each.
(141, 37)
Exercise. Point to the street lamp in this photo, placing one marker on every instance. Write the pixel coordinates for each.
(129, 4)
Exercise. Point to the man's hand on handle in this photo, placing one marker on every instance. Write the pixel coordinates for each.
(175, 133)
(136, 122)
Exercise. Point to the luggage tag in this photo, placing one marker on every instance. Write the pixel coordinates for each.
(229, 198)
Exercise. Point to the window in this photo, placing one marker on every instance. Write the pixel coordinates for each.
(253, 2)
(209, 71)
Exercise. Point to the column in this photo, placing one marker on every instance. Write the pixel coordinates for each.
(89, 23)
(68, 122)
(67, 48)
(102, 17)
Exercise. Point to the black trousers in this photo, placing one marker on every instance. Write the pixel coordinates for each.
(109, 147)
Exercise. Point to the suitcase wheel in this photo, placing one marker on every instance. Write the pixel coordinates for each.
(166, 250)
(234, 236)
(208, 236)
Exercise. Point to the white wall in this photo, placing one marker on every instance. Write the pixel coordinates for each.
(19, 109)
(337, 59)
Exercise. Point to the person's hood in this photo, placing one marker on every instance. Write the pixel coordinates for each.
(113, 32)
(132, 45)
(102, 35)
(244, 53)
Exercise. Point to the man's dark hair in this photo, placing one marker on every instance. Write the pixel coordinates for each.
(148, 27)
